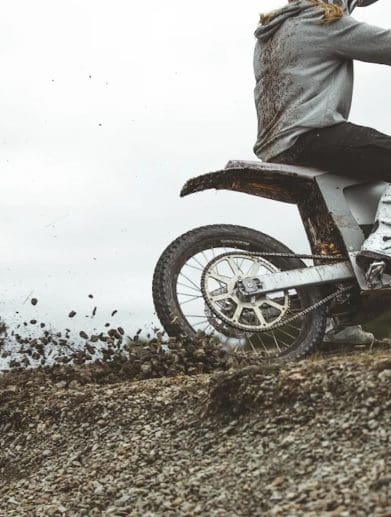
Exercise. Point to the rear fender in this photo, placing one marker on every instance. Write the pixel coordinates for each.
(269, 180)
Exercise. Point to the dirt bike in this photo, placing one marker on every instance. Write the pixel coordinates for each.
(249, 289)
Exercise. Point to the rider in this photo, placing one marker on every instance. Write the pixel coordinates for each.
(304, 70)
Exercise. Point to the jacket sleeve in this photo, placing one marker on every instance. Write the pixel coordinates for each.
(355, 40)
(365, 3)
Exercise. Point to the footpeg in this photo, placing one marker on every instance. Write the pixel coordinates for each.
(374, 274)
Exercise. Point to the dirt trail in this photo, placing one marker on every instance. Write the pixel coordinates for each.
(306, 439)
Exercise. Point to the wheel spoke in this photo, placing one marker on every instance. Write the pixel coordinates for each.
(199, 323)
(190, 295)
(189, 280)
(276, 342)
(263, 344)
(189, 287)
(191, 300)
(293, 326)
(252, 346)
(282, 341)
(193, 267)
(287, 334)
(202, 266)
(205, 257)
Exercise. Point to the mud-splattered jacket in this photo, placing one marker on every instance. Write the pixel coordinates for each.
(304, 71)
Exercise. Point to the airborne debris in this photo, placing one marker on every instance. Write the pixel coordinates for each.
(34, 301)
(72, 314)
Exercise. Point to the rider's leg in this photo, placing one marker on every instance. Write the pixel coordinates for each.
(346, 149)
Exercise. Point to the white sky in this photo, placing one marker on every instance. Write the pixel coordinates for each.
(106, 109)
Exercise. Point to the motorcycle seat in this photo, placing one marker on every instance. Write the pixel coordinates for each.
(306, 173)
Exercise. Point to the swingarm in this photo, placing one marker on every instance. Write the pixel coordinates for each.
(249, 287)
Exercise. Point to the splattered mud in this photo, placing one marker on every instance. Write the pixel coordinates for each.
(33, 343)
(306, 439)
(107, 356)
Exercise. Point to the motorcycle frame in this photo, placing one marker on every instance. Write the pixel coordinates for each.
(337, 212)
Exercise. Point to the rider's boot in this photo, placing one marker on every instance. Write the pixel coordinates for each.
(378, 245)
(353, 335)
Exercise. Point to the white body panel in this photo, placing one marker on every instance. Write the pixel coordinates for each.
(363, 201)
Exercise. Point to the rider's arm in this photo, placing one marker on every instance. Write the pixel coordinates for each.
(352, 39)
(365, 3)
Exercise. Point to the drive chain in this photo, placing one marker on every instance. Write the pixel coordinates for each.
(293, 318)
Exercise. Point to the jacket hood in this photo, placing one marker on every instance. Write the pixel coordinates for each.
(275, 19)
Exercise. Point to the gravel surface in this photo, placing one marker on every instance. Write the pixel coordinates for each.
(306, 439)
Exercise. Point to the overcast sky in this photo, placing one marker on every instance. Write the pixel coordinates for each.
(106, 109)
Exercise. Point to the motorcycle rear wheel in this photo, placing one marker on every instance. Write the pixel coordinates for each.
(174, 287)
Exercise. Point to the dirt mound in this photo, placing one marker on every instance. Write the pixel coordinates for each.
(310, 438)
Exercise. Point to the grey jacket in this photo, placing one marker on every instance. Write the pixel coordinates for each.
(304, 71)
